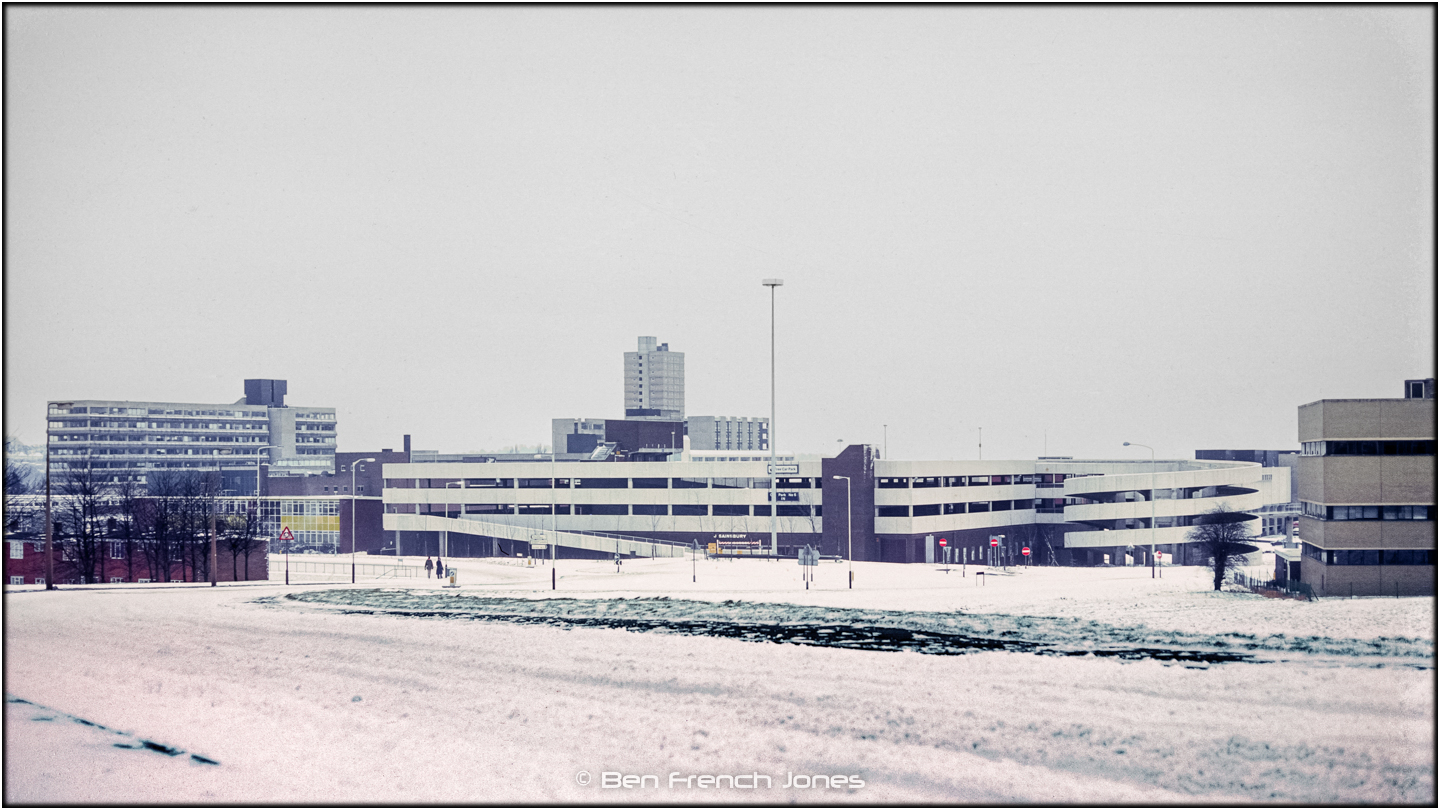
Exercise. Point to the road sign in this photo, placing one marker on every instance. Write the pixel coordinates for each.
(783, 469)
(1025, 551)
(942, 542)
(994, 541)
(809, 556)
(285, 533)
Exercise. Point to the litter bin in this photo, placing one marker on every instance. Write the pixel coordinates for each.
(452, 573)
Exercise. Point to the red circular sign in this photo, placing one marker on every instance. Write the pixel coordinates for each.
(1025, 551)
(942, 542)
(994, 542)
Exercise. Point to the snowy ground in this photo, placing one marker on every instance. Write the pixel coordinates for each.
(350, 695)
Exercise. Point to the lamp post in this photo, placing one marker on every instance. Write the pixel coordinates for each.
(352, 515)
(772, 283)
(49, 526)
(442, 552)
(1152, 503)
(259, 519)
(849, 534)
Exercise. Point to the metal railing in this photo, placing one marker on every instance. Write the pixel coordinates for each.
(1290, 586)
(338, 568)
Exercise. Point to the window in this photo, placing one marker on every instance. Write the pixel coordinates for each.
(144, 580)
(689, 483)
(763, 511)
(892, 511)
(648, 508)
(792, 483)
(925, 483)
(17, 580)
(1024, 503)
(117, 551)
(39, 580)
(980, 506)
(892, 483)
(117, 579)
(602, 508)
(534, 509)
(17, 551)
(955, 481)
(1405, 513)
(484, 483)
(998, 480)
(792, 510)
(927, 510)
(535, 483)
(1000, 506)
(602, 483)
(979, 481)
(689, 510)
(954, 508)
(648, 483)
(730, 510)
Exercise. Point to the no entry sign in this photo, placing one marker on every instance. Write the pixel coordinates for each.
(1025, 551)
(942, 542)
(994, 541)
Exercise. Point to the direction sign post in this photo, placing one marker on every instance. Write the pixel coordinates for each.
(1026, 552)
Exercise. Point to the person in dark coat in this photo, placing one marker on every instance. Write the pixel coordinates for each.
(439, 568)
(429, 566)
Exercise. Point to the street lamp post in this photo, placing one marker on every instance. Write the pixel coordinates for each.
(259, 520)
(49, 526)
(772, 283)
(443, 551)
(1152, 503)
(849, 534)
(352, 514)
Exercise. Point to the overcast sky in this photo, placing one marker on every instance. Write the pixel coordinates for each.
(1071, 226)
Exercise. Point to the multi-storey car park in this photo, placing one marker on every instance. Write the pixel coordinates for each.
(1080, 511)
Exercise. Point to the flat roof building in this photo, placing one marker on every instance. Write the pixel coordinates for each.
(127, 441)
(1367, 494)
(654, 382)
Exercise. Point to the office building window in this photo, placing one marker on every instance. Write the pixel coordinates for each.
(927, 509)
(689, 510)
(892, 511)
(730, 510)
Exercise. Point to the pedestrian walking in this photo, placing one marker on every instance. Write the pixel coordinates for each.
(439, 568)
(428, 567)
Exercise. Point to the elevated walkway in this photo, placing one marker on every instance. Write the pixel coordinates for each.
(590, 541)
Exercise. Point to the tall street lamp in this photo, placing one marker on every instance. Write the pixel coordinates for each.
(849, 534)
(1152, 503)
(772, 283)
(443, 550)
(352, 515)
(259, 519)
(49, 527)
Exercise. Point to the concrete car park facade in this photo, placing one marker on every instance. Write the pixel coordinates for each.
(890, 510)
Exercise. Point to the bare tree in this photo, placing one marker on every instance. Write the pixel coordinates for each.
(127, 520)
(1224, 536)
(84, 507)
(241, 536)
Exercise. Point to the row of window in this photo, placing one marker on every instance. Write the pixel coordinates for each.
(162, 412)
(1369, 556)
(1398, 447)
(616, 509)
(620, 483)
(1388, 512)
(971, 507)
(1038, 479)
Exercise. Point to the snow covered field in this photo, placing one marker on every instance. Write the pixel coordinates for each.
(338, 696)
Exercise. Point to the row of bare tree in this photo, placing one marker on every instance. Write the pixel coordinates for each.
(161, 530)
